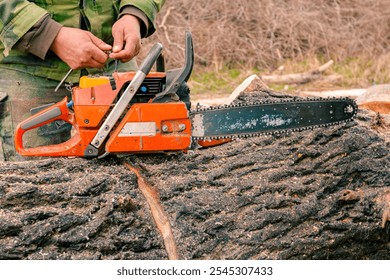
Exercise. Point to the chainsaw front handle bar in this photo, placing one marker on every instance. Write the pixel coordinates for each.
(58, 111)
(151, 58)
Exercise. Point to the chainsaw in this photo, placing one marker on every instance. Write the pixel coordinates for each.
(150, 112)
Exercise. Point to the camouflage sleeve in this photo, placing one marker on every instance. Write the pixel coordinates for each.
(39, 38)
(149, 7)
(16, 18)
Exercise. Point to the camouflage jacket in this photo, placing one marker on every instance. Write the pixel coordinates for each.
(17, 17)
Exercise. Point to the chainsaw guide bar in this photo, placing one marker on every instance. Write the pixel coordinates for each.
(269, 117)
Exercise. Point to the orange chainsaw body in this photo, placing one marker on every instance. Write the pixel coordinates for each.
(132, 112)
(145, 127)
(152, 127)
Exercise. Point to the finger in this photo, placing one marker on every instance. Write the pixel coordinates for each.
(94, 57)
(99, 56)
(99, 43)
(94, 64)
(130, 50)
(122, 55)
(85, 62)
(118, 40)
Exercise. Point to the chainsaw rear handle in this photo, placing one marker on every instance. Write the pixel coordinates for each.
(58, 111)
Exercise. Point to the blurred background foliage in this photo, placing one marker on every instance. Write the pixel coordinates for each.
(234, 39)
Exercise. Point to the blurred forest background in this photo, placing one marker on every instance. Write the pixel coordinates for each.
(234, 39)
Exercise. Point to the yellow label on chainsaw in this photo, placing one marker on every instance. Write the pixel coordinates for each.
(88, 82)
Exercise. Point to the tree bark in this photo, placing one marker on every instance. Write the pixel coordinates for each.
(317, 194)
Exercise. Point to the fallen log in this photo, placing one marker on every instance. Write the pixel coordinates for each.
(298, 78)
(350, 93)
(317, 194)
(375, 98)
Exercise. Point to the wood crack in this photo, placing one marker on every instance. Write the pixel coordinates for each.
(160, 218)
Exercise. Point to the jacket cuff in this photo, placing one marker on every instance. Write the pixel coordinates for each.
(145, 24)
(39, 38)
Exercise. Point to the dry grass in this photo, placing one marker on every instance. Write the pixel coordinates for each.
(264, 34)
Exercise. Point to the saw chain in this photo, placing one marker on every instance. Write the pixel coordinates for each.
(270, 117)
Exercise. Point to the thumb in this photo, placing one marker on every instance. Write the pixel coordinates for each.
(118, 40)
(99, 43)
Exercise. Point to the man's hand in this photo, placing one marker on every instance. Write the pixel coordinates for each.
(80, 49)
(127, 38)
